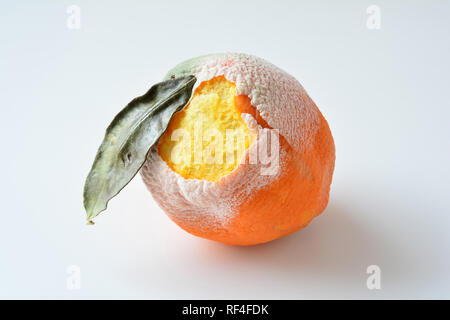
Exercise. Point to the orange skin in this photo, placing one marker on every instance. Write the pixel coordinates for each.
(289, 203)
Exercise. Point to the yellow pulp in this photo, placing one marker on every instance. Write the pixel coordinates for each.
(207, 139)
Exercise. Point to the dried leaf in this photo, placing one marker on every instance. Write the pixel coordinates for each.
(129, 138)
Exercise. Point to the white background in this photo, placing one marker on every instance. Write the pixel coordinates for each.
(384, 93)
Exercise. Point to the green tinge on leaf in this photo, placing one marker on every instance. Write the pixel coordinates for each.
(129, 138)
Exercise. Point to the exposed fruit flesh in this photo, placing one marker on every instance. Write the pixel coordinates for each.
(207, 139)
